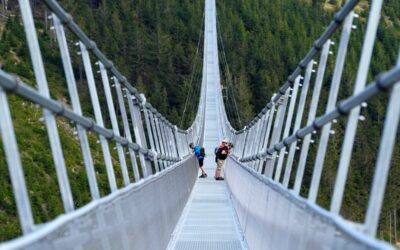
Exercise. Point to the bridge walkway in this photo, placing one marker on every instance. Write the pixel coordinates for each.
(209, 220)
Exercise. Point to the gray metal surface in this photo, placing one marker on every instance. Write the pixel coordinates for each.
(140, 216)
(209, 220)
(275, 218)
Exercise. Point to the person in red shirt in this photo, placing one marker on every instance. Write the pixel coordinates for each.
(221, 154)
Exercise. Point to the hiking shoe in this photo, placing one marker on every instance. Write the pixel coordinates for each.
(203, 176)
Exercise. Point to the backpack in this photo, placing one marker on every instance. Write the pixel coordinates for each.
(216, 151)
(202, 152)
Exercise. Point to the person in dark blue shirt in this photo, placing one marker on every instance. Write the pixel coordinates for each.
(221, 153)
(200, 154)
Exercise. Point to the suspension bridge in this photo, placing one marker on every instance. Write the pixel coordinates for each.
(168, 207)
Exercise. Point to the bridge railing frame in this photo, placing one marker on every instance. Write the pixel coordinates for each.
(264, 143)
(159, 146)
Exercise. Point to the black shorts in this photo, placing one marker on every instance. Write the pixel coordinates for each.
(201, 162)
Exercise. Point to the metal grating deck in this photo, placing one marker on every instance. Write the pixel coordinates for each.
(209, 220)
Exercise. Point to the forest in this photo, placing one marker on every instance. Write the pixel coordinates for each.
(157, 45)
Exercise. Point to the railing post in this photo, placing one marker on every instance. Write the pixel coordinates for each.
(288, 124)
(125, 122)
(51, 125)
(134, 108)
(177, 142)
(151, 136)
(160, 137)
(243, 149)
(156, 137)
(263, 120)
(99, 117)
(187, 143)
(114, 122)
(164, 132)
(72, 89)
(167, 138)
(383, 162)
(297, 123)
(15, 167)
(311, 115)
(351, 127)
(337, 75)
(253, 146)
(276, 134)
(174, 144)
(249, 138)
(265, 138)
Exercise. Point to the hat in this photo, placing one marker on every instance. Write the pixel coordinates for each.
(225, 141)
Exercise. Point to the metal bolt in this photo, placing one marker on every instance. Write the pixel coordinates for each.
(353, 27)
(334, 121)
(361, 118)
(356, 15)
(312, 141)
(332, 132)
(364, 104)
